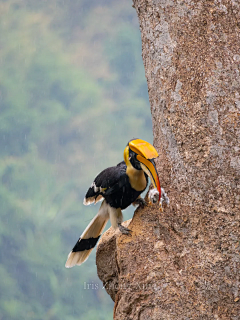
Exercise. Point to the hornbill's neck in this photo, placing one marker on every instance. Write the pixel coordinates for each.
(136, 175)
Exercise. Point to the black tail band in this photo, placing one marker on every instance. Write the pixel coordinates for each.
(85, 244)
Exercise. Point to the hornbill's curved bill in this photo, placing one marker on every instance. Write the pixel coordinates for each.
(118, 187)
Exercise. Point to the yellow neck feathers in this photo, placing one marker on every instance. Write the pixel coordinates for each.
(136, 177)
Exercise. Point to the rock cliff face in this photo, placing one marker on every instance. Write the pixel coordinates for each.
(184, 263)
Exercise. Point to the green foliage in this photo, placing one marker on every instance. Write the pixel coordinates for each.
(72, 93)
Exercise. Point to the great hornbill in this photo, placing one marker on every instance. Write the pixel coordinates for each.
(119, 186)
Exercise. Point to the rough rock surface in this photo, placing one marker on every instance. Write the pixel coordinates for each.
(107, 266)
(184, 263)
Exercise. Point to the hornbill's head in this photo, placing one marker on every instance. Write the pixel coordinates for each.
(141, 154)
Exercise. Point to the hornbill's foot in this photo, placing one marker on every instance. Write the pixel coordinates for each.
(124, 230)
(141, 202)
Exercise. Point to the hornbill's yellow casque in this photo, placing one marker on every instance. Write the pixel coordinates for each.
(120, 186)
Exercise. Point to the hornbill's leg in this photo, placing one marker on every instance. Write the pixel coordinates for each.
(116, 218)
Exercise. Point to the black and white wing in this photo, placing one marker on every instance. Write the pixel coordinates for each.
(107, 182)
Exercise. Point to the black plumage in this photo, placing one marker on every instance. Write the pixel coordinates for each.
(113, 185)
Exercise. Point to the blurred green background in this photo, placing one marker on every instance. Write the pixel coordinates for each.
(72, 93)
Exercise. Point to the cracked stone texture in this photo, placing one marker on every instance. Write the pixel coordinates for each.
(184, 263)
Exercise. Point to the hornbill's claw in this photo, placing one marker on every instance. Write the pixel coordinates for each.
(124, 230)
(141, 202)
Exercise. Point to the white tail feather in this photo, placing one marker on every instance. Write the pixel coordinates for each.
(93, 230)
(91, 200)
